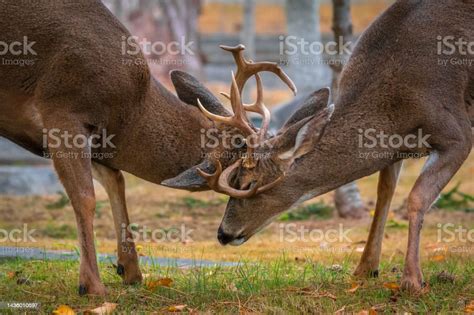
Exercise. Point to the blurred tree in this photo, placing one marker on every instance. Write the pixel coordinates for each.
(247, 34)
(347, 199)
(182, 20)
(305, 67)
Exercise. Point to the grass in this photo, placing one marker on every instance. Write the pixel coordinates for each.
(278, 276)
(280, 286)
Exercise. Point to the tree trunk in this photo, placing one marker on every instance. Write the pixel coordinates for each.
(247, 35)
(305, 67)
(347, 199)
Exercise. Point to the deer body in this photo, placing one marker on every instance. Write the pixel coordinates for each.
(396, 82)
(82, 83)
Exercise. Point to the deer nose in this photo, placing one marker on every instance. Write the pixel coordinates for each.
(223, 237)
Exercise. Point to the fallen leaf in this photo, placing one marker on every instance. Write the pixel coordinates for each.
(469, 309)
(13, 274)
(438, 258)
(176, 308)
(163, 282)
(392, 286)
(106, 308)
(64, 310)
(354, 287)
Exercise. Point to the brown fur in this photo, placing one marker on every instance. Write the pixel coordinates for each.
(392, 83)
(81, 82)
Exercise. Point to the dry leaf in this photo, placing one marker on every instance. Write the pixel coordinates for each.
(438, 258)
(64, 310)
(392, 286)
(354, 287)
(106, 308)
(163, 282)
(176, 308)
(469, 309)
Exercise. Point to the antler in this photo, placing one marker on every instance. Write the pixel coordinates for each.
(219, 181)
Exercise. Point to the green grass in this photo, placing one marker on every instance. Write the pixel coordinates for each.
(280, 286)
(317, 210)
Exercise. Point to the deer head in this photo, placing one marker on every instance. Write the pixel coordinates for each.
(221, 161)
(261, 192)
(252, 179)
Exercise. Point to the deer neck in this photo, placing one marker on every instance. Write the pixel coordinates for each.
(161, 137)
(341, 156)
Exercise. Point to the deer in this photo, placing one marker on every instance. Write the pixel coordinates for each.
(78, 81)
(397, 82)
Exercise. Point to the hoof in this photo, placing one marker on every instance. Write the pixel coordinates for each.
(130, 273)
(120, 270)
(413, 286)
(374, 274)
(362, 272)
(98, 289)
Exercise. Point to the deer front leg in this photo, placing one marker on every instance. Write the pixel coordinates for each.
(438, 170)
(73, 166)
(113, 182)
(369, 262)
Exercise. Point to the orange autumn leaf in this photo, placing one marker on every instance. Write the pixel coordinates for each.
(176, 308)
(469, 309)
(438, 258)
(64, 310)
(391, 285)
(163, 282)
(354, 287)
(104, 309)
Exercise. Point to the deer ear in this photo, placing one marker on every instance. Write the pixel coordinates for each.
(301, 137)
(189, 89)
(314, 103)
(190, 179)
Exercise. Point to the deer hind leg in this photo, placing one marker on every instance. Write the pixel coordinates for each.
(113, 182)
(369, 263)
(438, 170)
(73, 166)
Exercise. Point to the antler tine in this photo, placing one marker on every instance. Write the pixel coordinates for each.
(239, 119)
(224, 186)
(246, 69)
(260, 108)
(212, 179)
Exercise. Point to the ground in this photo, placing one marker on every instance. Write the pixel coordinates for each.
(280, 271)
